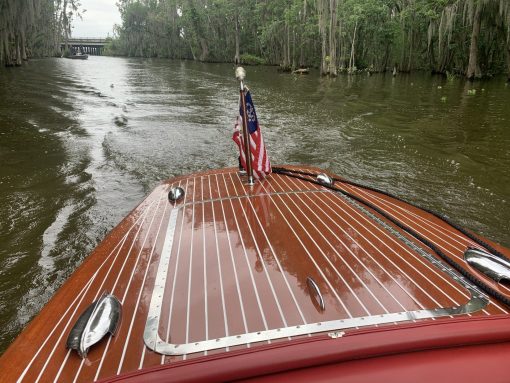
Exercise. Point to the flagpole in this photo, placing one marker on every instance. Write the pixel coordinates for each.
(240, 75)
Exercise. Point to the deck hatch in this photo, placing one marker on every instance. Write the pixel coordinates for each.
(476, 301)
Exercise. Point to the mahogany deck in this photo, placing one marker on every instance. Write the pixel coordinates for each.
(238, 264)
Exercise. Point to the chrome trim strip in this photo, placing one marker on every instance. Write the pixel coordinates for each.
(154, 342)
(157, 345)
(150, 334)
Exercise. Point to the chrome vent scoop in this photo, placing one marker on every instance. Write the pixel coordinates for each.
(324, 179)
(492, 266)
(100, 318)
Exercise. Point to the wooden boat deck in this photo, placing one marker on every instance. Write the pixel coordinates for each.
(230, 264)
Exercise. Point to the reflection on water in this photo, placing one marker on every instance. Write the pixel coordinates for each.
(81, 143)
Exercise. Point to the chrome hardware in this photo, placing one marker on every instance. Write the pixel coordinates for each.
(487, 263)
(315, 293)
(325, 179)
(100, 318)
(175, 194)
(240, 73)
(336, 334)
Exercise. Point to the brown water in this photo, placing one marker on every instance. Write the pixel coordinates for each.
(82, 142)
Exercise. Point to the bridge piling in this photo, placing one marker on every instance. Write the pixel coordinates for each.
(90, 45)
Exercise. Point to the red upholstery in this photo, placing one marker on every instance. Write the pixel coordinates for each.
(468, 349)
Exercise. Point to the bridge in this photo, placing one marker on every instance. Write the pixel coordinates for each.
(89, 45)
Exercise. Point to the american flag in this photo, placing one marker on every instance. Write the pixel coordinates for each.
(259, 159)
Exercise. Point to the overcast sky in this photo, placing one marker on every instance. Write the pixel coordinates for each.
(98, 19)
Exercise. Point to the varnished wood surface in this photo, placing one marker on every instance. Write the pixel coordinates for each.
(239, 263)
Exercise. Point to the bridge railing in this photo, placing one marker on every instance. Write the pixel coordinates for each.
(98, 39)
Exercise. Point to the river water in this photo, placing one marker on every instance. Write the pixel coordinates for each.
(82, 142)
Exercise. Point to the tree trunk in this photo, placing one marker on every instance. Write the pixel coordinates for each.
(332, 38)
(302, 40)
(288, 45)
(411, 43)
(508, 55)
(23, 46)
(293, 48)
(7, 56)
(237, 58)
(205, 49)
(473, 70)
(285, 62)
(66, 27)
(18, 61)
(351, 59)
(323, 35)
(385, 59)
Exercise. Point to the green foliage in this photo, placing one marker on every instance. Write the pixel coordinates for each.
(450, 76)
(249, 59)
(34, 28)
(431, 35)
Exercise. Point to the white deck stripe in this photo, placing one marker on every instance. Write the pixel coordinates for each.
(95, 297)
(454, 286)
(398, 215)
(434, 270)
(255, 290)
(105, 351)
(270, 247)
(50, 355)
(206, 314)
(334, 198)
(142, 286)
(353, 255)
(341, 257)
(377, 249)
(324, 277)
(430, 268)
(190, 264)
(83, 291)
(225, 318)
(260, 256)
(442, 229)
(358, 233)
(454, 255)
(231, 255)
